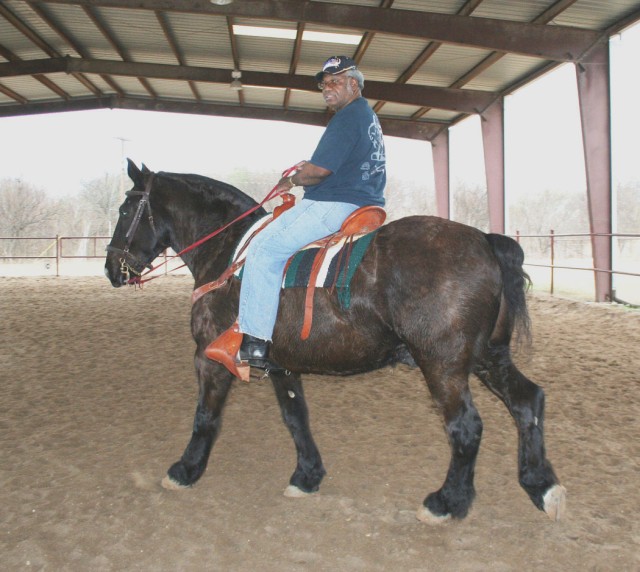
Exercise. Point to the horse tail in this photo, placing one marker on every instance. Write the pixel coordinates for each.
(513, 315)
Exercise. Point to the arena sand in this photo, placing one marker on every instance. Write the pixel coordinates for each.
(98, 396)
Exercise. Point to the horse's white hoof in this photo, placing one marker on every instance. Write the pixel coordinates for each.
(295, 493)
(426, 516)
(555, 502)
(171, 485)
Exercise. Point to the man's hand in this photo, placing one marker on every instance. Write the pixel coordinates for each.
(307, 174)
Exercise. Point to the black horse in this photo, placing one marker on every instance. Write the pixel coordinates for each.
(429, 292)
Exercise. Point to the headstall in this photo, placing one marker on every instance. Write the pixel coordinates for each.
(127, 259)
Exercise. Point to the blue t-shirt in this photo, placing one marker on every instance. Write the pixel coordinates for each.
(352, 148)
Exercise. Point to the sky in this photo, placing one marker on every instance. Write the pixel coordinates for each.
(59, 152)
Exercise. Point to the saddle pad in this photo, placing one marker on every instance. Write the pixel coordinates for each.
(337, 269)
(334, 269)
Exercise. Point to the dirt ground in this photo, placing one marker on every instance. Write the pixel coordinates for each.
(98, 396)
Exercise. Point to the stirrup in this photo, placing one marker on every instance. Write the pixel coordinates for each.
(224, 350)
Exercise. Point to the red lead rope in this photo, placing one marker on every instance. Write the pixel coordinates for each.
(140, 280)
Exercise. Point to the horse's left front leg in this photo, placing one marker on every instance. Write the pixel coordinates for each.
(309, 469)
(215, 382)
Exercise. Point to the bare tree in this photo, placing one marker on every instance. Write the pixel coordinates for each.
(564, 213)
(628, 216)
(24, 209)
(406, 198)
(628, 211)
(470, 206)
(102, 199)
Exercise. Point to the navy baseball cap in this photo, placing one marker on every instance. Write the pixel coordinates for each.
(335, 65)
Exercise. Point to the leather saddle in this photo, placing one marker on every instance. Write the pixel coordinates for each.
(360, 222)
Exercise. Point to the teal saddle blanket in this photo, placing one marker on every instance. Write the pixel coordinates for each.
(337, 270)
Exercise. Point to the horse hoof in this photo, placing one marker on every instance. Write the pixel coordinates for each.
(426, 516)
(171, 485)
(294, 492)
(555, 502)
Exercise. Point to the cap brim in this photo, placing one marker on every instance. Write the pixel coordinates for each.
(320, 75)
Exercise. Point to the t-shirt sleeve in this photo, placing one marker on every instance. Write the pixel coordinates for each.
(334, 147)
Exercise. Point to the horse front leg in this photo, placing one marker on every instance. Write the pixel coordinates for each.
(214, 383)
(525, 401)
(295, 414)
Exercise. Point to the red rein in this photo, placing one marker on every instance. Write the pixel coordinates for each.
(140, 280)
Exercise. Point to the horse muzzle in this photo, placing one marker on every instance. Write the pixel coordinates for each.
(123, 268)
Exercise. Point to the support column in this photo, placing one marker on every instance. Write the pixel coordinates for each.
(595, 113)
(440, 148)
(492, 122)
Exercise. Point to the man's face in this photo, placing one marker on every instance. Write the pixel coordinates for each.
(338, 90)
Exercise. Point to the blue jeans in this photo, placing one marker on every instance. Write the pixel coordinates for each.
(267, 257)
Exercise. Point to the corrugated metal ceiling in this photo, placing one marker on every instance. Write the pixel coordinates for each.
(83, 54)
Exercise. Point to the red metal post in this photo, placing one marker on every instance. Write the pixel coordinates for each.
(553, 258)
(492, 122)
(595, 111)
(440, 152)
(58, 253)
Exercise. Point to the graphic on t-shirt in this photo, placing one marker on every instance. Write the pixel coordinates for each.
(378, 156)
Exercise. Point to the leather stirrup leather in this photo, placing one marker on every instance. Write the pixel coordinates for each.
(361, 221)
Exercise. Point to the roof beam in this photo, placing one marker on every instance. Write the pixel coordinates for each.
(99, 23)
(58, 29)
(175, 48)
(558, 43)
(549, 14)
(463, 101)
(29, 33)
(422, 130)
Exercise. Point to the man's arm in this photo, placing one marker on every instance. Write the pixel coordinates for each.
(308, 175)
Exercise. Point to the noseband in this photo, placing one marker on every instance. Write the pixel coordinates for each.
(127, 259)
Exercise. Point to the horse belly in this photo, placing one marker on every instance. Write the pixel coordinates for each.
(341, 341)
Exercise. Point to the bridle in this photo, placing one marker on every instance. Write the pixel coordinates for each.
(128, 260)
(127, 269)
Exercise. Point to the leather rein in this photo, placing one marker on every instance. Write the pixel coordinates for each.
(125, 266)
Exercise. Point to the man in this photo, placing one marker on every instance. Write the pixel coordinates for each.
(346, 171)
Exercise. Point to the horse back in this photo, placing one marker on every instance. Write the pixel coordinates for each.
(420, 275)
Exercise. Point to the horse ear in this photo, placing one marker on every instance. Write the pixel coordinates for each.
(134, 173)
(145, 169)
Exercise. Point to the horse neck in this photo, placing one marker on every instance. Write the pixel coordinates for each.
(192, 213)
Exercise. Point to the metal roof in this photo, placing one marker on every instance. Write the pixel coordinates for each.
(428, 63)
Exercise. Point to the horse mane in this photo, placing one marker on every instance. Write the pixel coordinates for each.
(211, 190)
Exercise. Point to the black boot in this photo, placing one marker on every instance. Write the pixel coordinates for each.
(256, 352)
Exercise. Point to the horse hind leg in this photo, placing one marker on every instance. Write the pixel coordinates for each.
(215, 382)
(525, 401)
(450, 391)
(309, 468)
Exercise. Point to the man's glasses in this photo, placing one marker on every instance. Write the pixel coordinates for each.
(330, 83)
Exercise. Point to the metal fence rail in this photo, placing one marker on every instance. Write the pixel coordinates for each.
(27, 248)
(543, 248)
(56, 248)
(548, 244)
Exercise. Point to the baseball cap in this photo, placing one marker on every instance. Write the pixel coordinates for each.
(335, 65)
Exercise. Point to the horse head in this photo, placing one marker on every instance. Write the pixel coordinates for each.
(135, 242)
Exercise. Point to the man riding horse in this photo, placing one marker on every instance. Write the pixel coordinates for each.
(427, 292)
(346, 171)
